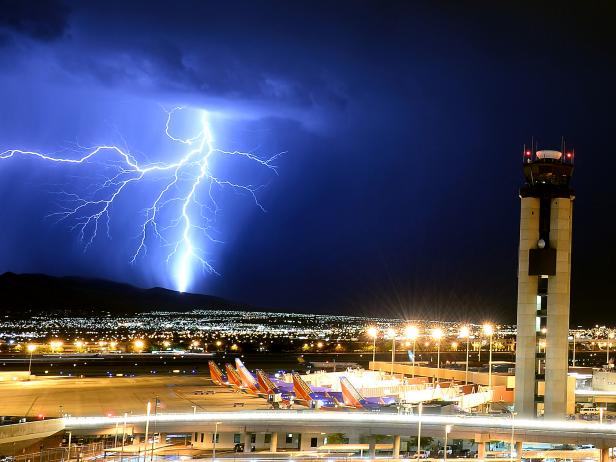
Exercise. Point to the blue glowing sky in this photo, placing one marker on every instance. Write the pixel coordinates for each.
(402, 126)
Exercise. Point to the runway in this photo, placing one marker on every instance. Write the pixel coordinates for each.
(54, 397)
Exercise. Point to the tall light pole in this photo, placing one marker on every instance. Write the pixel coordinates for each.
(489, 331)
(31, 349)
(147, 427)
(70, 437)
(437, 334)
(419, 408)
(373, 332)
(155, 422)
(216, 437)
(123, 436)
(512, 442)
(392, 334)
(609, 337)
(412, 333)
(447, 431)
(466, 333)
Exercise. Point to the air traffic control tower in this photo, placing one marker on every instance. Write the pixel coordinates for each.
(542, 344)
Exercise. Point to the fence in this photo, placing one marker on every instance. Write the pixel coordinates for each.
(81, 452)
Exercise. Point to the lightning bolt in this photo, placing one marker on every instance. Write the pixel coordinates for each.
(185, 186)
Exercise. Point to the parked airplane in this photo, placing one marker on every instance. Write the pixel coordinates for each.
(276, 395)
(248, 382)
(216, 374)
(233, 377)
(352, 398)
(317, 399)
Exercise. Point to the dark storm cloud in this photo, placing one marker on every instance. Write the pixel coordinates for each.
(201, 52)
(41, 20)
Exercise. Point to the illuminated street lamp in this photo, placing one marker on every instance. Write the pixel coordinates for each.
(447, 432)
(489, 331)
(611, 336)
(373, 332)
(55, 345)
(437, 334)
(139, 344)
(412, 333)
(31, 349)
(466, 333)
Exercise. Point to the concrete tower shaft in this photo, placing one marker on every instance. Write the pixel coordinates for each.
(543, 285)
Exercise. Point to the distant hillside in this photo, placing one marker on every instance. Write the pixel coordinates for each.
(27, 293)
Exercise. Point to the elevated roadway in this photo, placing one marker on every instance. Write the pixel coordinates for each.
(480, 429)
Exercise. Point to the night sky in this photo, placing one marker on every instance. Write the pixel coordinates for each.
(402, 125)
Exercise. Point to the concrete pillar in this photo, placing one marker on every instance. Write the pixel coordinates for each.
(274, 442)
(247, 442)
(526, 310)
(557, 335)
(604, 455)
(481, 451)
(518, 450)
(396, 452)
(372, 447)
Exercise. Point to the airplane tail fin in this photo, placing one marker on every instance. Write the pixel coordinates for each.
(265, 383)
(301, 388)
(233, 376)
(216, 373)
(350, 395)
(247, 378)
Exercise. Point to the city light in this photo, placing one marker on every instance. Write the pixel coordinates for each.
(437, 333)
(373, 332)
